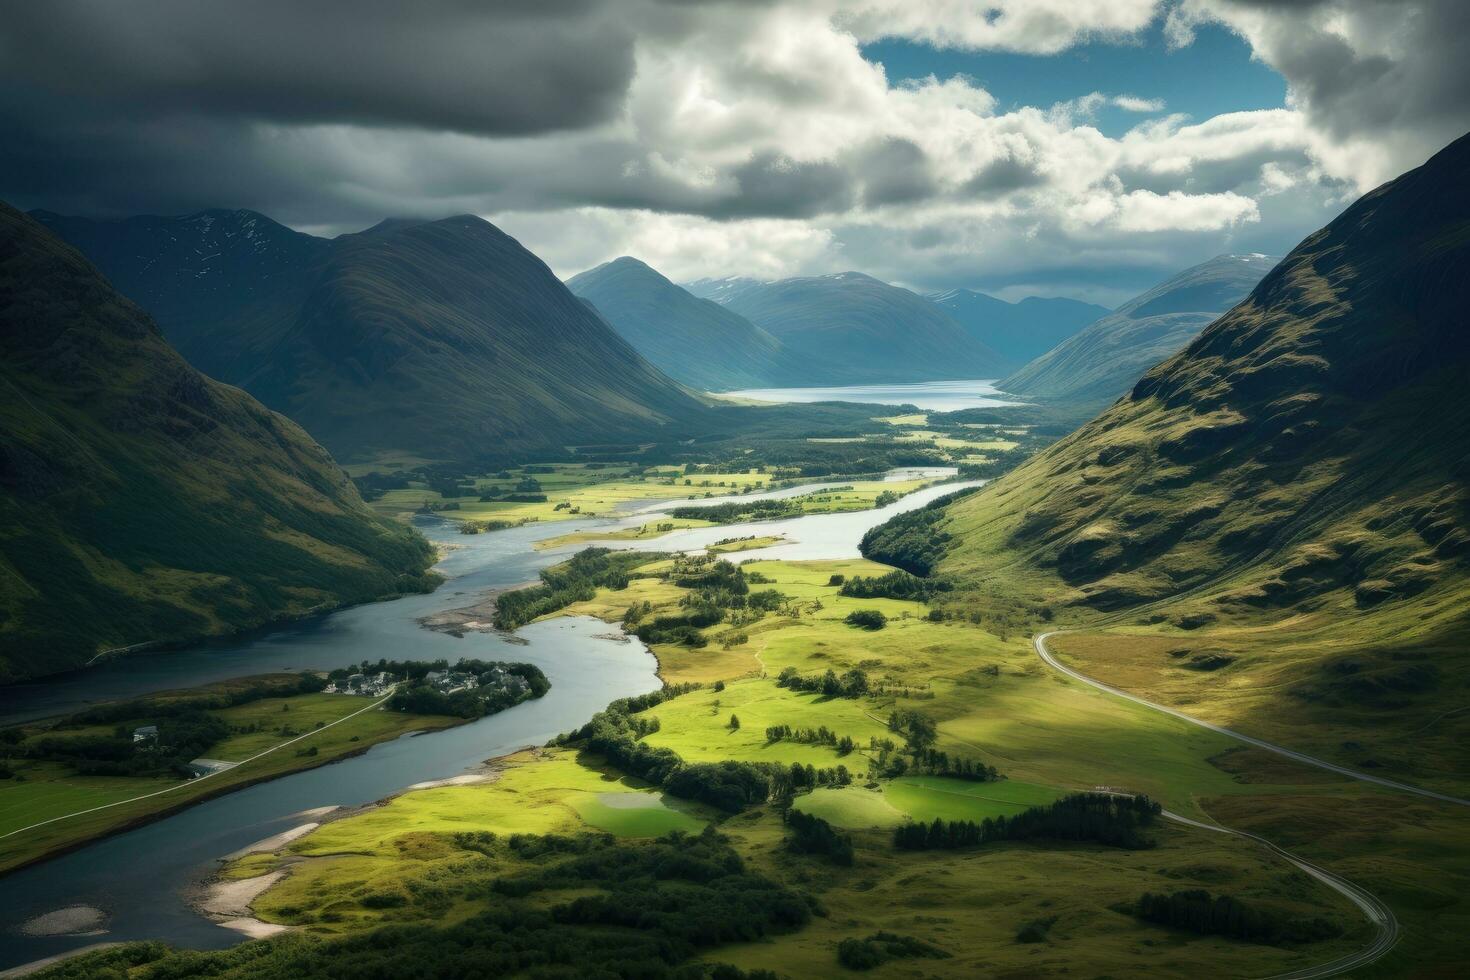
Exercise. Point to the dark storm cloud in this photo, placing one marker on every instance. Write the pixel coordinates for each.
(894, 171)
(1213, 176)
(1002, 176)
(772, 185)
(174, 105)
(496, 68)
(1386, 73)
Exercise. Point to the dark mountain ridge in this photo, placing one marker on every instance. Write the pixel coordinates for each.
(433, 339)
(142, 502)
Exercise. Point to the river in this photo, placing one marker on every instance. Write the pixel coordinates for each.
(141, 878)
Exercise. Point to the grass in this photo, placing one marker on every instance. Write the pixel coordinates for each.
(641, 533)
(744, 544)
(851, 807)
(1272, 684)
(932, 797)
(633, 814)
(993, 701)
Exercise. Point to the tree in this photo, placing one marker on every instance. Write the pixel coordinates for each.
(734, 723)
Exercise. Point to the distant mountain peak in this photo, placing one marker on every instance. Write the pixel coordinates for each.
(696, 341)
(1106, 358)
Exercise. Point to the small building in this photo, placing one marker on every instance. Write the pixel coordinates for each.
(147, 733)
(435, 676)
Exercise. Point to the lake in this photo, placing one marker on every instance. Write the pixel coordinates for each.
(933, 396)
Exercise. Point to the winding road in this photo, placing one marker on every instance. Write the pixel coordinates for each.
(1386, 925)
(1051, 661)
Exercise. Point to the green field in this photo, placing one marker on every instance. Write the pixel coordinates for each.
(933, 797)
(992, 701)
(44, 791)
(633, 814)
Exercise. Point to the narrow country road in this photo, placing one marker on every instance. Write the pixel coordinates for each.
(196, 781)
(1376, 911)
(1052, 662)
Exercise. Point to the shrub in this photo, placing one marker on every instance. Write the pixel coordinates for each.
(813, 835)
(880, 947)
(868, 619)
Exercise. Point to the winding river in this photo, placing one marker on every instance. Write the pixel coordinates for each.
(141, 879)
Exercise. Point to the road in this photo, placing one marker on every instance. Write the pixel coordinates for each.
(1385, 924)
(195, 782)
(1052, 662)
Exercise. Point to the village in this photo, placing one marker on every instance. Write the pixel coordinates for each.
(495, 678)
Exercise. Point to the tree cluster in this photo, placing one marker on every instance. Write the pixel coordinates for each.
(645, 911)
(912, 540)
(821, 735)
(738, 511)
(897, 584)
(813, 835)
(574, 580)
(182, 736)
(1116, 821)
(850, 684)
(1198, 911)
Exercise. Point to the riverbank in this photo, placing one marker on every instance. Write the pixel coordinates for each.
(343, 737)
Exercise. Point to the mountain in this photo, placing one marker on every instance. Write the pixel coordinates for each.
(1294, 485)
(1103, 360)
(438, 339)
(850, 328)
(1020, 331)
(693, 340)
(142, 502)
(203, 275)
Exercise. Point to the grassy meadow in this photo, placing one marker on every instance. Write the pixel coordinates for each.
(993, 701)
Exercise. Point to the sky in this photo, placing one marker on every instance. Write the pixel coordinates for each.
(1086, 148)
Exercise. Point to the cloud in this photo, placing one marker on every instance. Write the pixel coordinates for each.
(1132, 103)
(1381, 85)
(709, 138)
(1031, 26)
(507, 67)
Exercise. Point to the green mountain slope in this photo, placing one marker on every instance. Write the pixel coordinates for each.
(441, 339)
(141, 501)
(695, 341)
(1020, 331)
(447, 338)
(1102, 361)
(1288, 497)
(850, 328)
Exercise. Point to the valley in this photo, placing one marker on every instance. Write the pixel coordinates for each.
(993, 702)
(852, 517)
